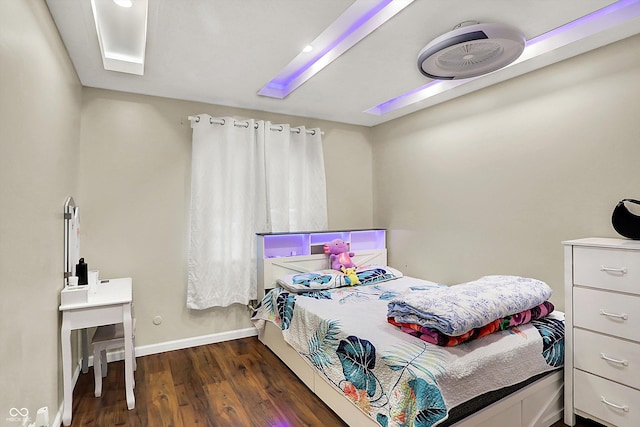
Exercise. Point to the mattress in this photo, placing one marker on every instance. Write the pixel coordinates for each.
(395, 378)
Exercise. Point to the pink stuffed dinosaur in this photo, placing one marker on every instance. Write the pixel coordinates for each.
(339, 254)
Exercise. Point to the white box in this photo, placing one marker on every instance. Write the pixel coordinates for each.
(71, 295)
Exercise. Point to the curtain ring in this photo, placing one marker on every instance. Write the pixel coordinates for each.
(241, 124)
(297, 130)
(197, 120)
(313, 132)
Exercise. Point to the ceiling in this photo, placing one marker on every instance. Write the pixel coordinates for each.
(224, 51)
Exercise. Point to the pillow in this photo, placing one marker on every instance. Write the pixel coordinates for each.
(330, 279)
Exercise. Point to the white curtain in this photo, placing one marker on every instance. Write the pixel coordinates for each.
(247, 177)
(296, 185)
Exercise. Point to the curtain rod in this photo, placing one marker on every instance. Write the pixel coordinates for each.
(246, 125)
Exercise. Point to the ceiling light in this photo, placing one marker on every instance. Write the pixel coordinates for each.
(124, 3)
(122, 34)
(357, 22)
(471, 49)
(308, 48)
(614, 22)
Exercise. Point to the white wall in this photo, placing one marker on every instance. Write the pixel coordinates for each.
(492, 182)
(40, 98)
(488, 183)
(130, 175)
(134, 198)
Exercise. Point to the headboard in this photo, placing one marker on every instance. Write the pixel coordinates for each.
(280, 254)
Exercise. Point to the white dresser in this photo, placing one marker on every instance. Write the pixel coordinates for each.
(602, 346)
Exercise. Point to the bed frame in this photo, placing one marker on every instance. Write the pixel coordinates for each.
(539, 404)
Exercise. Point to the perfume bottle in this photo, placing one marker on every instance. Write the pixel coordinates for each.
(81, 272)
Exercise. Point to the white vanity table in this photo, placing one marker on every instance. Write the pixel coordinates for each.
(109, 303)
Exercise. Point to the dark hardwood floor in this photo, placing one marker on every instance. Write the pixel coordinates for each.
(580, 422)
(235, 383)
(238, 383)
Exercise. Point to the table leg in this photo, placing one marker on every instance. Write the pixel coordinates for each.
(85, 350)
(65, 337)
(128, 355)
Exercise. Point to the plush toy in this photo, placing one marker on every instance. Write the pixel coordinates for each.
(351, 275)
(339, 254)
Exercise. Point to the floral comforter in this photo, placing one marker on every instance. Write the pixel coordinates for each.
(395, 378)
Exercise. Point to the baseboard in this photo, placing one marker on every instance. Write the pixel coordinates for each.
(195, 341)
(57, 420)
(146, 350)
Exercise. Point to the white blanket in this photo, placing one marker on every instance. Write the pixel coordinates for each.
(456, 310)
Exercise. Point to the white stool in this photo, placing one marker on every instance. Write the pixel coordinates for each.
(108, 337)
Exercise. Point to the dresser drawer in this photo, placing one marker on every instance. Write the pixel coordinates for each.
(608, 357)
(604, 268)
(596, 396)
(607, 312)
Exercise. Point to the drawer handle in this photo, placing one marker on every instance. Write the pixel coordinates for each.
(622, 316)
(622, 270)
(625, 408)
(619, 362)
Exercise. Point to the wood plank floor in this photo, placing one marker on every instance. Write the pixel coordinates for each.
(235, 383)
(238, 383)
(580, 422)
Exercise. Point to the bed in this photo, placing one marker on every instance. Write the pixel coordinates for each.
(340, 344)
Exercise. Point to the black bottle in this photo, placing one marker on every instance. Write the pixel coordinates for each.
(81, 272)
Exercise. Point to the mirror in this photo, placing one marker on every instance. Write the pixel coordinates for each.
(71, 238)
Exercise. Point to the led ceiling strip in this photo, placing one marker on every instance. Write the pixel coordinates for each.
(620, 19)
(357, 22)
